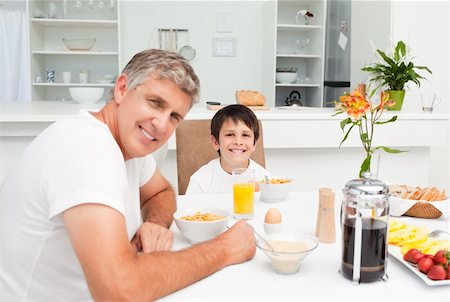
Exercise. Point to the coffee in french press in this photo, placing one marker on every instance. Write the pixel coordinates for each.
(364, 221)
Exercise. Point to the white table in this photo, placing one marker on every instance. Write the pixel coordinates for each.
(318, 278)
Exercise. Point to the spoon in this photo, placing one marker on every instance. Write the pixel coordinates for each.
(264, 240)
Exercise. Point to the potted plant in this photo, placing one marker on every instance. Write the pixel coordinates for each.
(393, 71)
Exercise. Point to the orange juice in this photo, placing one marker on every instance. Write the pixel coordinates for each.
(243, 200)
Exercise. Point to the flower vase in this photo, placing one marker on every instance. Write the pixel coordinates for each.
(397, 96)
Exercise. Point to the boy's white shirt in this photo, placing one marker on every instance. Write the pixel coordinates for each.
(212, 178)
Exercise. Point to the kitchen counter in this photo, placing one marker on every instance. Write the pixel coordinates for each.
(306, 140)
(51, 111)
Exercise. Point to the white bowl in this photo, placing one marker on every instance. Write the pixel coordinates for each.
(79, 44)
(86, 94)
(275, 192)
(286, 77)
(198, 231)
(289, 250)
(105, 79)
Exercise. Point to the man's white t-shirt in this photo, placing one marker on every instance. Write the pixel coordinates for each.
(212, 178)
(72, 162)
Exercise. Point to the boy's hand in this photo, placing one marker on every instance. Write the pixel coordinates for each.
(152, 237)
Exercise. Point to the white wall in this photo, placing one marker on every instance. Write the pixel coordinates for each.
(220, 76)
(424, 25)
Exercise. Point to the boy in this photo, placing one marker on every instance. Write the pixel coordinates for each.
(234, 132)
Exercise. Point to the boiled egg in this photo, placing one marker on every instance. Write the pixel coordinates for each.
(273, 216)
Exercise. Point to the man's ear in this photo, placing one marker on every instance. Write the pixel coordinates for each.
(120, 88)
(214, 143)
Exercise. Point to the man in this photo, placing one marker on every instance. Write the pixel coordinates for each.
(70, 213)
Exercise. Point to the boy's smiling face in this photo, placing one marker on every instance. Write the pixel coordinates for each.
(236, 144)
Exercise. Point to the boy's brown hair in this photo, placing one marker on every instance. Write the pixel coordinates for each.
(236, 113)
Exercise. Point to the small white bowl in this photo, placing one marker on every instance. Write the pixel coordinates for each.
(283, 261)
(79, 44)
(198, 231)
(286, 77)
(273, 192)
(86, 94)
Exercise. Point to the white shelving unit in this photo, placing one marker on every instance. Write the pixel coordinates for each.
(300, 46)
(50, 22)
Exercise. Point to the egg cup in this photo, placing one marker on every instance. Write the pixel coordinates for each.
(270, 228)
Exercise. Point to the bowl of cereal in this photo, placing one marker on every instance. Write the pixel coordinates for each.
(201, 224)
(276, 189)
(286, 250)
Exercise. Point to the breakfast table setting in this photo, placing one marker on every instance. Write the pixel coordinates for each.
(318, 277)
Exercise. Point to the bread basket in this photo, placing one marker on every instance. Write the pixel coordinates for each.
(423, 209)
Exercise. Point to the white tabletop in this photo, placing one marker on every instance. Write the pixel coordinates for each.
(318, 278)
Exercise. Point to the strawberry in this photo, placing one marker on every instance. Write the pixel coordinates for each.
(416, 257)
(408, 255)
(437, 272)
(425, 264)
(441, 257)
(448, 272)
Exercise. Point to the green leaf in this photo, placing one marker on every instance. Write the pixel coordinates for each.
(388, 150)
(346, 135)
(393, 119)
(364, 137)
(345, 123)
(365, 166)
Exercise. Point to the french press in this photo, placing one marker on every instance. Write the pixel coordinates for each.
(364, 221)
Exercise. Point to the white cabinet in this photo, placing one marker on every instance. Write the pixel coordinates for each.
(49, 23)
(301, 46)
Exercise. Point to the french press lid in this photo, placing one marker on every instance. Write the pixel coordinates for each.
(366, 186)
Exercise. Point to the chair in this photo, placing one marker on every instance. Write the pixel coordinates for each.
(194, 149)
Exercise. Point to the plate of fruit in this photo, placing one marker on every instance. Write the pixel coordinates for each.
(434, 270)
(424, 252)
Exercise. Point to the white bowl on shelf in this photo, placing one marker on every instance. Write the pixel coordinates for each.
(86, 94)
(286, 77)
(79, 44)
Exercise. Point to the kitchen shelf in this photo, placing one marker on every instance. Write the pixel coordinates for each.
(294, 55)
(73, 53)
(300, 46)
(295, 27)
(74, 23)
(297, 85)
(73, 84)
(47, 50)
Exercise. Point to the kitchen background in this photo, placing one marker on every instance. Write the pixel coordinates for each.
(248, 30)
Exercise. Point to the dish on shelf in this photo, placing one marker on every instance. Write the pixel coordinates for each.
(79, 44)
(105, 79)
(395, 252)
(286, 77)
(86, 94)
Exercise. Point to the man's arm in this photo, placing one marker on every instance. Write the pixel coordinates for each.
(158, 202)
(114, 272)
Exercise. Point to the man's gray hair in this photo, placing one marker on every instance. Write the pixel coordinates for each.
(162, 65)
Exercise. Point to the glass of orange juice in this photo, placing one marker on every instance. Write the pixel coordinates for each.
(243, 190)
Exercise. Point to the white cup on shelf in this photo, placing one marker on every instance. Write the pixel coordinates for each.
(66, 76)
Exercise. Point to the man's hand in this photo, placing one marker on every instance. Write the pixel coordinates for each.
(151, 237)
(239, 241)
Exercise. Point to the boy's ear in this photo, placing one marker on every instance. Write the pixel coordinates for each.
(214, 143)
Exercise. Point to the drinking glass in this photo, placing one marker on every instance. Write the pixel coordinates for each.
(243, 190)
(428, 101)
